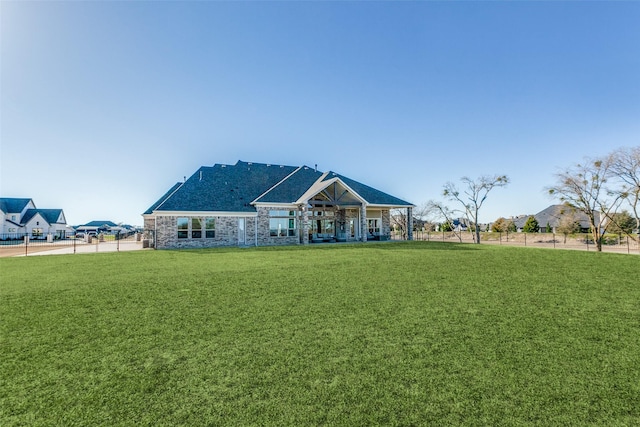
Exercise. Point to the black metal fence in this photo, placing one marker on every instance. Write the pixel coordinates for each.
(581, 241)
(20, 244)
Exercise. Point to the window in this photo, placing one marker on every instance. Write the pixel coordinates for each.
(196, 228)
(374, 225)
(281, 213)
(283, 226)
(36, 232)
(183, 228)
(210, 228)
(323, 226)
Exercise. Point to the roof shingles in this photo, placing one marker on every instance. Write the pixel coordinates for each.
(233, 188)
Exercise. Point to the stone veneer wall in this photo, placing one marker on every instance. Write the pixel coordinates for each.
(264, 238)
(385, 227)
(226, 233)
(149, 230)
(166, 231)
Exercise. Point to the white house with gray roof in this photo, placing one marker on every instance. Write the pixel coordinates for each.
(261, 204)
(21, 217)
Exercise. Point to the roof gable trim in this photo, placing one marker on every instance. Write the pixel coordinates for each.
(321, 185)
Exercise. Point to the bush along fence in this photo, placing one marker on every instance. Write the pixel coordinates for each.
(25, 244)
(584, 241)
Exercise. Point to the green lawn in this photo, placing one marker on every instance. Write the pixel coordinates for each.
(377, 334)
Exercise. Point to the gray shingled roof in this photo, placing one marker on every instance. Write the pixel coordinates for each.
(13, 205)
(233, 188)
(225, 188)
(49, 215)
(163, 198)
(100, 223)
(552, 216)
(293, 187)
(370, 194)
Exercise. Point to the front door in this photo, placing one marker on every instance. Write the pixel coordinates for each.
(242, 237)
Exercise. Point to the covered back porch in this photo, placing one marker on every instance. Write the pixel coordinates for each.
(333, 212)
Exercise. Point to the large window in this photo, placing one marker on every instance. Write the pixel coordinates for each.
(193, 227)
(183, 228)
(210, 228)
(282, 223)
(196, 228)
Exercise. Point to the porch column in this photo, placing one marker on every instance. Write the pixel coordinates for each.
(304, 215)
(409, 223)
(363, 223)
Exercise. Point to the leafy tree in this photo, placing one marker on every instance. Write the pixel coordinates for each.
(531, 226)
(584, 187)
(622, 223)
(446, 226)
(474, 195)
(502, 225)
(548, 229)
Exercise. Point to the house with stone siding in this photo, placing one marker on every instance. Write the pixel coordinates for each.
(258, 204)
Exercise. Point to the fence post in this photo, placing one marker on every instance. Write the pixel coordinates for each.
(74, 244)
(554, 240)
(525, 239)
(628, 249)
(26, 244)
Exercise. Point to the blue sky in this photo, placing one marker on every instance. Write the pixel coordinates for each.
(105, 105)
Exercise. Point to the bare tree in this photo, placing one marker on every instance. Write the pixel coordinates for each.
(473, 196)
(442, 212)
(399, 222)
(584, 187)
(625, 167)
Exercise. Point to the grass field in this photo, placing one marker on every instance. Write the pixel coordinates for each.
(378, 334)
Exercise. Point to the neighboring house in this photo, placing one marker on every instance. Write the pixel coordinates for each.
(104, 227)
(96, 227)
(21, 217)
(260, 204)
(554, 215)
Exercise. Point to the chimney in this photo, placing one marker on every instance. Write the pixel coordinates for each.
(316, 167)
(200, 175)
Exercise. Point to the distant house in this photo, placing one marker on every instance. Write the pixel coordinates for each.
(262, 204)
(553, 217)
(21, 217)
(96, 227)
